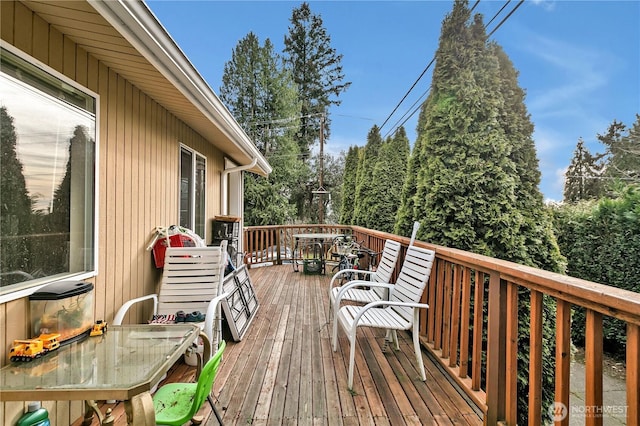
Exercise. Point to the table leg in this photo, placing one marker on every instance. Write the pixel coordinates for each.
(140, 410)
(90, 407)
(297, 255)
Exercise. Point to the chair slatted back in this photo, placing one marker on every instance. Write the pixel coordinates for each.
(192, 276)
(386, 265)
(412, 279)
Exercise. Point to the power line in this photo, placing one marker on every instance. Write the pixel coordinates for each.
(505, 18)
(417, 80)
(395, 127)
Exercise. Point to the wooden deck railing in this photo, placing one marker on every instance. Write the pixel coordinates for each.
(469, 295)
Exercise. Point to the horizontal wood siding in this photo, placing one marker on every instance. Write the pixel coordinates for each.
(139, 146)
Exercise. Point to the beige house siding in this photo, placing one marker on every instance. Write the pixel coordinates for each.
(137, 170)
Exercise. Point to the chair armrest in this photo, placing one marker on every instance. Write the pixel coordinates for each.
(385, 303)
(407, 304)
(212, 315)
(117, 320)
(356, 283)
(347, 271)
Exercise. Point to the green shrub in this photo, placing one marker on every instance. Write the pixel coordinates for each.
(601, 241)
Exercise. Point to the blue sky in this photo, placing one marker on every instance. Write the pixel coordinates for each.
(579, 61)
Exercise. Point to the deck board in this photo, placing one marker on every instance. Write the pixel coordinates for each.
(284, 371)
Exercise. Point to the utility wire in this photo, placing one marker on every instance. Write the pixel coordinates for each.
(499, 12)
(505, 18)
(417, 80)
(396, 126)
(417, 104)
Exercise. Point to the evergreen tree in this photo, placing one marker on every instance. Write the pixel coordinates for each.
(389, 174)
(15, 204)
(622, 151)
(263, 98)
(541, 246)
(317, 71)
(466, 184)
(365, 197)
(477, 184)
(583, 178)
(540, 243)
(406, 212)
(349, 186)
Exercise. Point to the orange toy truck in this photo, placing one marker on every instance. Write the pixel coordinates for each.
(30, 349)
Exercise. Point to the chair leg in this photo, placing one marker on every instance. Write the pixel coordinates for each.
(335, 331)
(352, 357)
(416, 346)
(215, 411)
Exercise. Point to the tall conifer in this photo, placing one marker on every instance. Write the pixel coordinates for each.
(583, 178)
(263, 98)
(317, 71)
(477, 181)
(349, 186)
(406, 211)
(389, 174)
(365, 196)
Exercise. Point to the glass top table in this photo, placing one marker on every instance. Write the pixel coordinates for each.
(121, 364)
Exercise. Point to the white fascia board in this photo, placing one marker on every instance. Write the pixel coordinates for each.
(135, 21)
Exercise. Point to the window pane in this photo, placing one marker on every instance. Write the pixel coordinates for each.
(47, 167)
(200, 187)
(186, 179)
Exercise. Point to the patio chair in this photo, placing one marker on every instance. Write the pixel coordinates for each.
(358, 290)
(192, 281)
(353, 290)
(400, 312)
(177, 403)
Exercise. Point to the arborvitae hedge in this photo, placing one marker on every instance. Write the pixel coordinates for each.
(601, 242)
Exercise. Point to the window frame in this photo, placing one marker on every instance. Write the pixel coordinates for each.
(19, 291)
(195, 156)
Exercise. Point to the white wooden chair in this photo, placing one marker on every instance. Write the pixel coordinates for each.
(400, 312)
(192, 280)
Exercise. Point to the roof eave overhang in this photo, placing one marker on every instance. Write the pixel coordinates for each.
(137, 24)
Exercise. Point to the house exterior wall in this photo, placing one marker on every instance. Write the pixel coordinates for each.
(137, 172)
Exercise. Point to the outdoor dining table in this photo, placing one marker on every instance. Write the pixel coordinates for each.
(315, 242)
(122, 364)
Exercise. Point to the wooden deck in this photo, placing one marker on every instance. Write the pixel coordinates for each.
(284, 371)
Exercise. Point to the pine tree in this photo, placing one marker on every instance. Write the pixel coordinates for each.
(389, 174)
(317, 71)
(583, 178)
(263, 98)
(349, 186)
(363, 214)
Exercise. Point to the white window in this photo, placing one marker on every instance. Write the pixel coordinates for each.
(47, 175)
(193, 172)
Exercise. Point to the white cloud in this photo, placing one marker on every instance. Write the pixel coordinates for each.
(548, 5)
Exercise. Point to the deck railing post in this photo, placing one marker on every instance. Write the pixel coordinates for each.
(496, 350)
(278, 242)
